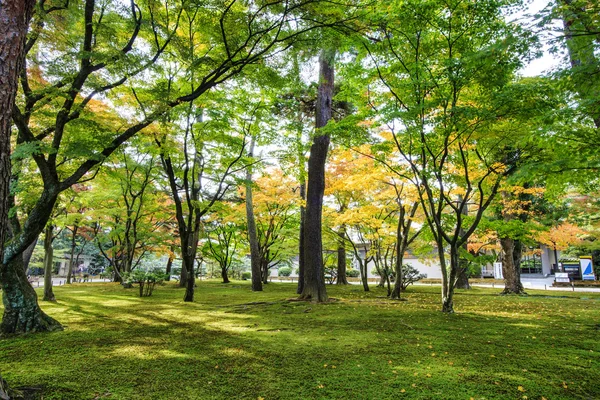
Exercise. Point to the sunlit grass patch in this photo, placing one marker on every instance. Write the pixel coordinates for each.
(235, 344)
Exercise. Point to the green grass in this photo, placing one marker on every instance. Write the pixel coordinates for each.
(118, 346)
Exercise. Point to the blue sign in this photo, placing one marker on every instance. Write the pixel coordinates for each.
(587, 269)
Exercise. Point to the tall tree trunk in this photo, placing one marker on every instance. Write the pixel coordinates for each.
(314, 280)
(341, 259)
(73, 245)
(301, 254)
(252, 235)
(14, 22)
(48, 263)
(21, 310)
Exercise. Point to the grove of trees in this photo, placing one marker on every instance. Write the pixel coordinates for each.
(321, 136)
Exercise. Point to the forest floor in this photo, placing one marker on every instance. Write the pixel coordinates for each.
(235, 344)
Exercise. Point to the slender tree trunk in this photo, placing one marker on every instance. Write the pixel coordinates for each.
(556, 259)
(341, 259)
(314, 280)
(73, 244)
(252, 235)
(463, 270)
(48, 263)
(170, 263)
(188, 266)
(301, 254)
(396, 293)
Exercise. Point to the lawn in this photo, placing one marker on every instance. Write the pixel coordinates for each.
(362, 346)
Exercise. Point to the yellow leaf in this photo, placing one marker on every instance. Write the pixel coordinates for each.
(402, 391)
(521, 389)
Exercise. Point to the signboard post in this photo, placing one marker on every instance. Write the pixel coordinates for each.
(587, 268)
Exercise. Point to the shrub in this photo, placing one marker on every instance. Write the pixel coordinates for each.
(284, 271)
(352, 273)
(246, 275)
(147, 280)
(410, 275)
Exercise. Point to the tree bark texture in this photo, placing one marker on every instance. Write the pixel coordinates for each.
(14, 22)
(252, 235)
(22, 313)
(511, 268)
(21, 310)
(314, 280)
(48, 264)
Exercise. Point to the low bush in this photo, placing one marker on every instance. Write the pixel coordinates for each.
(284, 271)
(146, 280)
(246, 275)
(352, 273)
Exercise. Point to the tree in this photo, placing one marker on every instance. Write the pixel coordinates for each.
(314, 282)
(276, 206)
(21, 312)
(442, 103)
(92, 61)
(222, 238)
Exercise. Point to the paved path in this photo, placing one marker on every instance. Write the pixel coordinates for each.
(529, 283)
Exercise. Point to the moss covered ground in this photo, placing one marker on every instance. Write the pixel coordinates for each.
(235, 344)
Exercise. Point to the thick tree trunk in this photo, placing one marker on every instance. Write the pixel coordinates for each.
(21, 310)
(14, 21)
(252, 235)
(224, 275)
(510, 269)
(341, 259)
(22, 313)
(48, 263)
(462, 282)
(314, 280)
(301, 246)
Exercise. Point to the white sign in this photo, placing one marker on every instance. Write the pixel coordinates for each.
(561, 277)
(587, 269)
(498, 270)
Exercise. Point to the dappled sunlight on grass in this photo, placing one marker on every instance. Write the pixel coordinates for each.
(235, 344)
